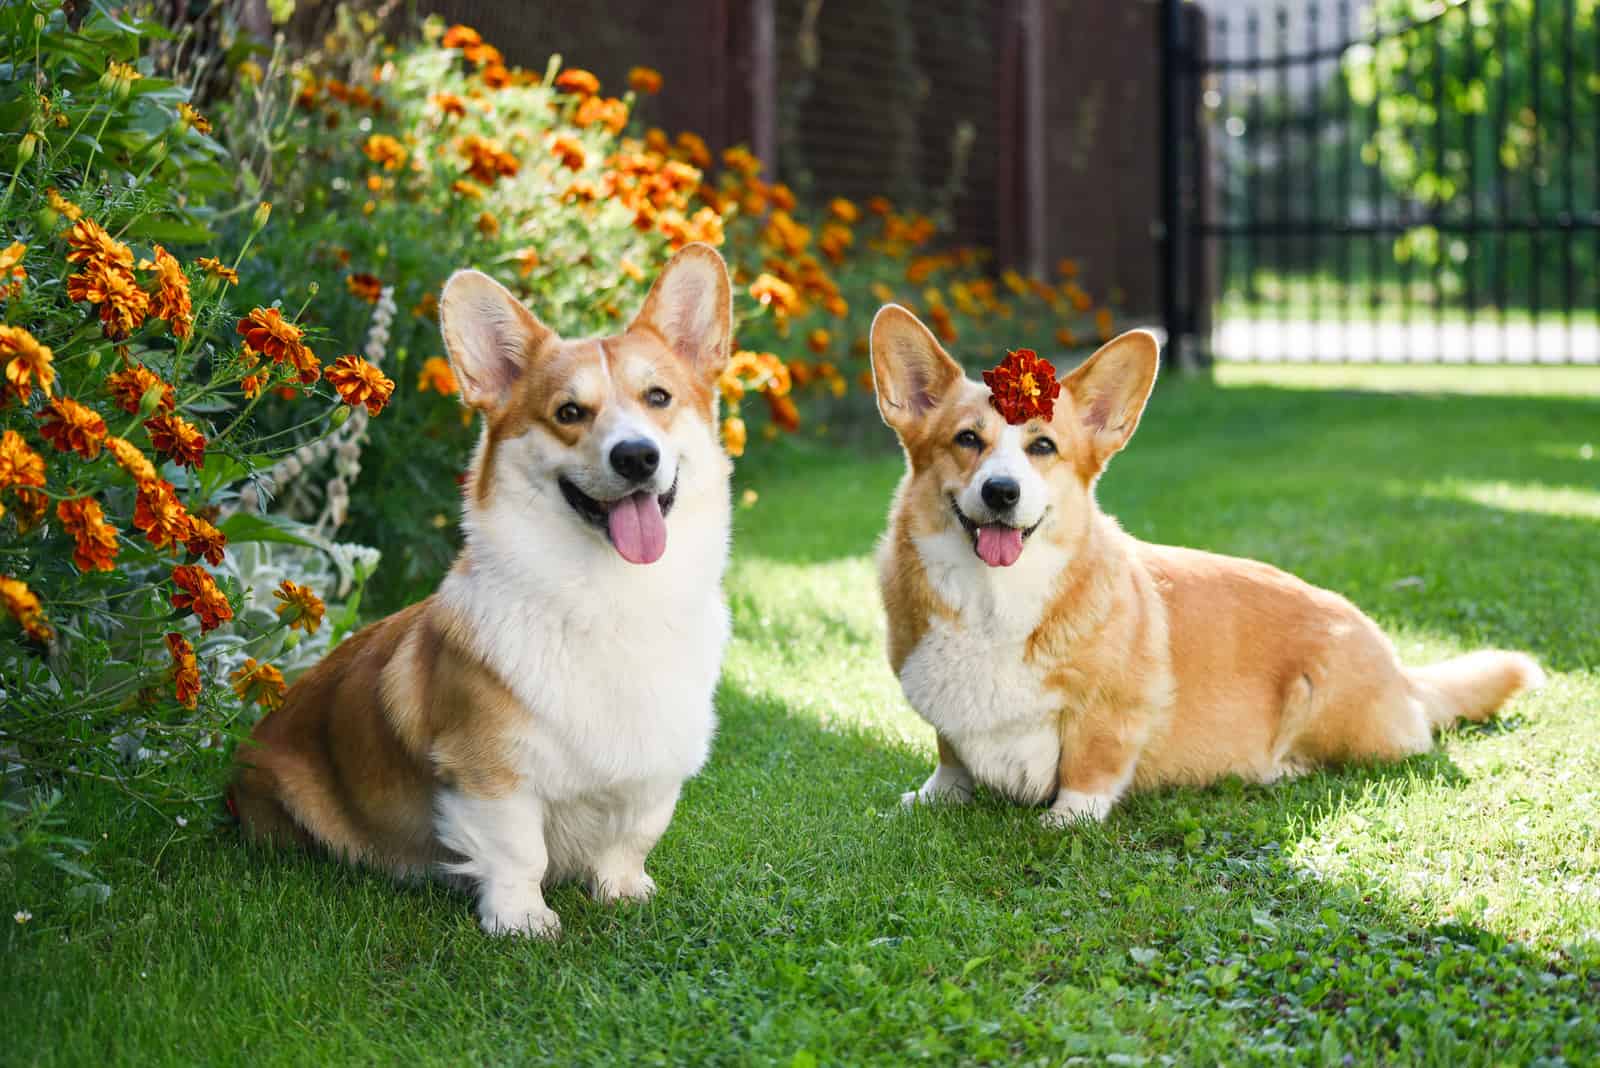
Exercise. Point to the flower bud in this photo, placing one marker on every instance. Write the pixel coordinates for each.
(93, 360)
(151, 400)
(291, 639)
(311, 290)
(158, 151)
(263, 213)
(26, 147)
(340, 414)
(39, 22)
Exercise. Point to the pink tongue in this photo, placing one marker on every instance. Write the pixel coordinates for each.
(638, 532)
(999, 545)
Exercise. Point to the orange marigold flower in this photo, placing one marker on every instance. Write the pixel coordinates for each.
(366, 286)
(62, 206)
(1065, 337)
(11, 261)
(267, 332)
(123, 305)
(358, 382)
(569, 150)
(843, 210)
(645, 80)
(205, 540)
(217, 269)
(90, 242)
(782, 196)
(783, 411)
(185, 670)
(460, 36)
(171, 298)
(734, 435)
(449, 104)
(819, 340)
(178, 438)
(72, 427)
(20, 465)
(483, 55)
(386, 151)
(301, 607)
(607, 111)
(740, 158)
(494, 73)
(577, 80)
(97, 540)
(692, 147)
(159, 515)
(487, 224)
(129, 386)
(427, 307)
(260, 683)
(1102, 323)
(23, 605)
(130, 459)
(1022, 387)
(487, 162)
(775, 293)
(437, 376)
(198, 592)
(467, 188)
(527, 261)
(27, 362)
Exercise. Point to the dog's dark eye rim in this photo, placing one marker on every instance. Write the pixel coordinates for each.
(569, 413)
(657, 397)
(1041, 447)
(969, 439)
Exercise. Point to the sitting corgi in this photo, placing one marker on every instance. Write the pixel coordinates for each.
(1062, 660)
(534, 719)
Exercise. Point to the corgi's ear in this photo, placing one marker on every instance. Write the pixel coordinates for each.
(1109, 392)
(910, 369)
(691, 308)
(490, 336)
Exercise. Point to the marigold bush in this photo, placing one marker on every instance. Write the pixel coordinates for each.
(398, 163)
(127, 428)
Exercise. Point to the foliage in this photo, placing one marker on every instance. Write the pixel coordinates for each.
(133, 634)
(1513, 87)
(395, 164)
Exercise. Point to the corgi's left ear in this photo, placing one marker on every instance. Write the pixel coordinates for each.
(490, 336)
(1109, 392)
(691, 308)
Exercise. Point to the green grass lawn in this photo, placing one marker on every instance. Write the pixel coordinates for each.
(1445, 911)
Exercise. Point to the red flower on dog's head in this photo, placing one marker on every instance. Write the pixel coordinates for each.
(1023, 387)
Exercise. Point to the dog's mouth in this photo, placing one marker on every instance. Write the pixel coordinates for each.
(635, 525)
(997, 544)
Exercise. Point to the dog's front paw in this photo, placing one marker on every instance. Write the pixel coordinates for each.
(612, 888)
(1073, 807)
(540, 922)
(944, 787)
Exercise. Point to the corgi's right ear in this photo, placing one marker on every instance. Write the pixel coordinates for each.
(910, 369)
(490, 336)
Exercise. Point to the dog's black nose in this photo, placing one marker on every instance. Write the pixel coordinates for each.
(1002, 494)
(635, 460)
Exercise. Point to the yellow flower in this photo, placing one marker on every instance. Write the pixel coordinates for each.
(217, 269)
(366, 286)
(300, 608)
(843, 210)
(191, 117)
(576, 80)
(171, 298)
(773, 292)
(734, 435)
(487, 224)
(71, 427)
(62, 206)
(129, 386)
(11, 261)
(130, 459)
(386, 151)
(27, 362)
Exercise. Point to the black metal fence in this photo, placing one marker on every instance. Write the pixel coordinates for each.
(1383, 181)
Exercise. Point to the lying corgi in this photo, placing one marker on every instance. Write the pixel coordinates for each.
(534, 719)
(1060, 659)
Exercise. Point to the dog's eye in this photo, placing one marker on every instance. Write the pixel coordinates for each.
(568, 414)
(658, 398)
(1041, 447)
(969, 439)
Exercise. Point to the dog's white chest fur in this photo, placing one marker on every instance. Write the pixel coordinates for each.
(968, 676)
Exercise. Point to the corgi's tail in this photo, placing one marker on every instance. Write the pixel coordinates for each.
(1474, 686)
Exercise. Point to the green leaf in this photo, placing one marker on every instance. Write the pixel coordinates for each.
(245, 526)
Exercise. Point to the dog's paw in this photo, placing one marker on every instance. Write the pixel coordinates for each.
(616, 888)
(531, 921)
(1073, 807)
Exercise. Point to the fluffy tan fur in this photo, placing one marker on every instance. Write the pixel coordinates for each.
(1151, 664)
